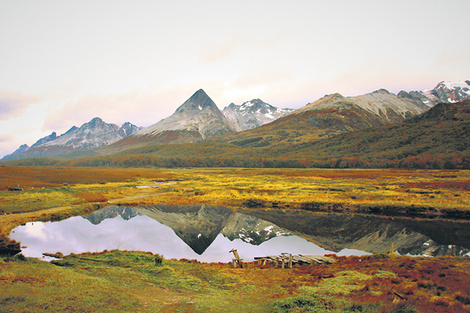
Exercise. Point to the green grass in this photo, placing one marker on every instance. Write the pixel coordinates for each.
(132, 281)
(37, 287)
(114, 281)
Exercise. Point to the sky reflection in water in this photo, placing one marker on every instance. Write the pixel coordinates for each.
(77, 235)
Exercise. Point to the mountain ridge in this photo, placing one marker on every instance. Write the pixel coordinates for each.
(329, 116)
(198, 119)
(89, 136)
(252, 114)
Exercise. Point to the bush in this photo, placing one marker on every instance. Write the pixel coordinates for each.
(158, 259)
(302, 304)
(17, 257)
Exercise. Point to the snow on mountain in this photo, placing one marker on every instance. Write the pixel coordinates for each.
(128, 129)
(197, 118)
(394, 108)
(452, 91)
(91, 135)
(252, 114)
(444, 92)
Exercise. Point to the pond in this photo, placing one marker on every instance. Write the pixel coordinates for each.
(207, 233)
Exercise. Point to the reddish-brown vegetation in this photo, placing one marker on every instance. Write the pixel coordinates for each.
(37, 177)
(456, 185)
(426, 284)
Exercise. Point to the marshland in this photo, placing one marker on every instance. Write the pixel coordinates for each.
(431, 203)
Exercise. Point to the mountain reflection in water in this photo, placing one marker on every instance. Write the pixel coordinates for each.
(207, 233)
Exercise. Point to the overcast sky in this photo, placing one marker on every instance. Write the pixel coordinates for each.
(64, 62)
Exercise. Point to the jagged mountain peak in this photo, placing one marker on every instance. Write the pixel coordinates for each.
(453, 85)
(90, 135)
(93, 134)
(252, 114)
(258, 106)
(198, 101)
(382, 91)
(128, 129)
(196, 119)
(444, 92)
(52, 136)
(327, 101)
(450, 91)
(21, 149)
(94, 122)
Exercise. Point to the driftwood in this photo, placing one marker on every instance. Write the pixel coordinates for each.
(236, 259)
(401, 297)
(289, 259)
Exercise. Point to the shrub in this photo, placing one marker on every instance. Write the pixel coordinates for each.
(305, 303)
(158, 259)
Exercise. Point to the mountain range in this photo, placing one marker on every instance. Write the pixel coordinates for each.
(91, 135)
(251, 126)
(252, 114)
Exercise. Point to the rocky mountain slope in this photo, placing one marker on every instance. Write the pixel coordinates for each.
(329, 116)
(444, 92)
(438, 138)
(91, 135)
(20, 150)
(198, 115)
(252, 114)
(335, 114)
(198, 118)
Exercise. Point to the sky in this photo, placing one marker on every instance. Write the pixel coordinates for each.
(63, 63)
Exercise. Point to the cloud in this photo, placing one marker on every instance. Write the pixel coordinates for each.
(242, 45)
(214, 52)
(5, 138)
(13, 104)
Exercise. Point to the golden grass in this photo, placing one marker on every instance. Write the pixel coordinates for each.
(66, 189)
(230, 187)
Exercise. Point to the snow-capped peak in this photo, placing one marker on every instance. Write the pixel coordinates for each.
(454, 85)
(253, 113)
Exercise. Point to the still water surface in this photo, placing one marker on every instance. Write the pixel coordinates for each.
(207, 234)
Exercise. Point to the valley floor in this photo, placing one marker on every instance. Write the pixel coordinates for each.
(131, 281)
